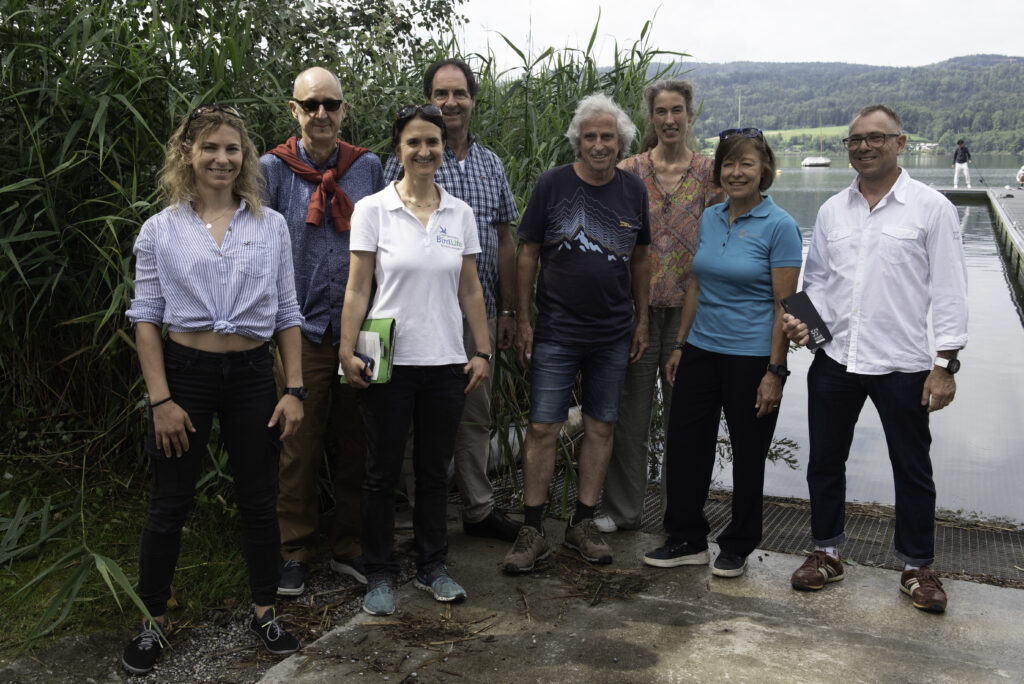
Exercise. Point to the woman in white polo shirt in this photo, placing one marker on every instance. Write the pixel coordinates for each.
(419, 243)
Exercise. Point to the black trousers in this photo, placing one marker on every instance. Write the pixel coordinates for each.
(431, 399)
(708, 383)
(239, 388)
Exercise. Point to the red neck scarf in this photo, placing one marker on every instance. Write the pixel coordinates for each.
(341, 204)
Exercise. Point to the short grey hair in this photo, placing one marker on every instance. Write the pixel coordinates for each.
(596, 104)
(888, 111)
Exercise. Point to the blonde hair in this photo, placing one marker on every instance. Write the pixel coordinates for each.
(177, 180)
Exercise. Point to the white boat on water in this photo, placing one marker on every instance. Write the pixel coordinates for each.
(821, 159)
(816, 161)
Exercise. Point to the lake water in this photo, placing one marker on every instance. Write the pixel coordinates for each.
(977, 441)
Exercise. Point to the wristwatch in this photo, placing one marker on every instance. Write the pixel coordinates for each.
(779, 369)
(483, 355)
(951, 365)
(300, 392)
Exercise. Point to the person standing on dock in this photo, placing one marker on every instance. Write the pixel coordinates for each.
(884, 251)
(475, 175)
(587, 224)
(314, 180)
(961, 161)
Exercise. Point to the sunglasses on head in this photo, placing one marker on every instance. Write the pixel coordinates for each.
(409, 111)
(209, 109)
(745, 132)
(313, 106)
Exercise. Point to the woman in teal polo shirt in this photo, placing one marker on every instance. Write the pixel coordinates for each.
(730, 355)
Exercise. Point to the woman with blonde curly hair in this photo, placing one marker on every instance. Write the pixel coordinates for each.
(216, 269)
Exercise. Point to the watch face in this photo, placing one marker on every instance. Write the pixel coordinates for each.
(953, 366)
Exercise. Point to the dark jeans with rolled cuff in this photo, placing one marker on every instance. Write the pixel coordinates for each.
(708, 383)
(431, 399)
(835, 398)
(239, 388)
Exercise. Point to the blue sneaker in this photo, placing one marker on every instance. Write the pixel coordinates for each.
(673, 554)
(380, 596)
(440, 584)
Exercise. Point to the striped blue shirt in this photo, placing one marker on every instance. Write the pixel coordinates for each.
(244, 286)
(480, 182)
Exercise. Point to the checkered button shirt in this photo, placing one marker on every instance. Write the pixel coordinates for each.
(480, 182)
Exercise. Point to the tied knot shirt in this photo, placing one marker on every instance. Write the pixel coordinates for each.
(185, 280)
(417, 271)
(733, 267)
(479, 181)
(874, 274)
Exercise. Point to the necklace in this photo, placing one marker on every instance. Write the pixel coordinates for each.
(669, 194)
(209, 224)
(419, 205)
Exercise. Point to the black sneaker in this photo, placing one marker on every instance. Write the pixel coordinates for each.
(353, 567)
(677, 553)
(293, 578)
(729, 565)
(496, 525)
(268, 628)
(141, 652)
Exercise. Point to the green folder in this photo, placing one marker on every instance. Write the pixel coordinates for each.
(376, 340)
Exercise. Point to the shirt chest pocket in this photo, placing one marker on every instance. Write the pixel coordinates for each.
(840, 244)
(898, 245)
(254, 258)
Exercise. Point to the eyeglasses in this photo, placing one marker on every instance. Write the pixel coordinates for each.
(410, 110)
(745, 132)
(872, 139)
(313, 106)
(215, 107)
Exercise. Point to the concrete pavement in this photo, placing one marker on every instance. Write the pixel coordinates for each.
(569, 622)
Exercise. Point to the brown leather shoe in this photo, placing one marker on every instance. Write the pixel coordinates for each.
(818, 570)
(924, 587)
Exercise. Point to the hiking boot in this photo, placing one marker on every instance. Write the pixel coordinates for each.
(673, 554)
(818, 570)
(293, 578)
(924, 587)
(496, 525)
(141, 652)
(440, 584)
(584, 538)
(273, 636)
(605, 524)
(353, 567)
(530, 546)
(380, 595)
(729, 565)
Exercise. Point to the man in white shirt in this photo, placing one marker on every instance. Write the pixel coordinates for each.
(883, 252)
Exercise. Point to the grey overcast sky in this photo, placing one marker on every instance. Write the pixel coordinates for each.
(881, 32)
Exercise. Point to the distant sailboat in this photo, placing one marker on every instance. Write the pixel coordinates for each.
(821, 159)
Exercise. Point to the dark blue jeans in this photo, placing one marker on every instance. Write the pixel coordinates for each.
(834, 401)
(239, 388)
(708, 383)
(431, 399)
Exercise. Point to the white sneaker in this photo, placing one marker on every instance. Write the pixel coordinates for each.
(605, 524)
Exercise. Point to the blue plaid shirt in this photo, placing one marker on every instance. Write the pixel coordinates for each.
(479, 182)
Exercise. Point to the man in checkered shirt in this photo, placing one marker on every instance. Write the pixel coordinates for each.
(475, 175)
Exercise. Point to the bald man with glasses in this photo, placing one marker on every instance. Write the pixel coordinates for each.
(314, 180)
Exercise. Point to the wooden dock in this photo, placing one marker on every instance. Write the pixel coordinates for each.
(1007, 205)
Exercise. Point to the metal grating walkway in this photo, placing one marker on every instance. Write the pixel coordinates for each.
(980, 552)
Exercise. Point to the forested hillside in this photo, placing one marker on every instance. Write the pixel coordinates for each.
(980, 98)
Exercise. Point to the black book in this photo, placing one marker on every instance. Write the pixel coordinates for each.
(800, 306)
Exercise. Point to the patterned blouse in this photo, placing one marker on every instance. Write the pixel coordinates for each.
(675, 224)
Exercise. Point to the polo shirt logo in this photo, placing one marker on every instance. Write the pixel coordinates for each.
(449, 241)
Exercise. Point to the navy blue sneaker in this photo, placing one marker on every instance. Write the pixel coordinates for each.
(293, 578)
(729, 565)
(673, 554)
(141, 652)
(273, 636)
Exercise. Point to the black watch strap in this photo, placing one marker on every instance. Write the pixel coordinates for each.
(300, 392)
(779, 369)
(483, 355)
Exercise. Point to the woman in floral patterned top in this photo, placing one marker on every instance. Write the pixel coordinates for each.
(679, 187)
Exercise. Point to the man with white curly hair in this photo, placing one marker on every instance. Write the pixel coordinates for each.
(587, 224)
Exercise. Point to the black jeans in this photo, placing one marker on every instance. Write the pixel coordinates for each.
(706, 384)
(239, 388)
(431, 398)
(834, 401)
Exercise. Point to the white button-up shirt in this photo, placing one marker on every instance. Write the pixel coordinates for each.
(873, 274)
